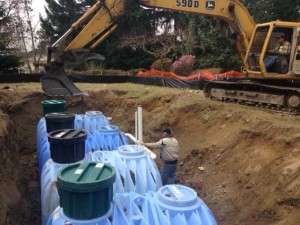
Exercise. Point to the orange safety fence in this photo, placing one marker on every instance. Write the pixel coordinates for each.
(201, 75)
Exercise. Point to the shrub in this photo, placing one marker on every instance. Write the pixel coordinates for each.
(8, 62)
(184, 65)
(95, 66)
(163, 64)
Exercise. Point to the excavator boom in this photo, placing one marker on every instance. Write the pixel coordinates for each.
(103, 17)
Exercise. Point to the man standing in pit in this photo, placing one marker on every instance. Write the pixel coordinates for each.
(169, 150)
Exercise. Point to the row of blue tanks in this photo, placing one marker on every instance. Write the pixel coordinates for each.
(90, 173)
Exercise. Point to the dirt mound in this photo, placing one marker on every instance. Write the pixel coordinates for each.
(243, 162)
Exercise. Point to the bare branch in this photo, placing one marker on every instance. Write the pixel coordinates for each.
(157, 45)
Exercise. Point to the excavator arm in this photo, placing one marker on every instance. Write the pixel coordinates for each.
(101, 25)
(102, 20)
(102, 16)
(106, 13)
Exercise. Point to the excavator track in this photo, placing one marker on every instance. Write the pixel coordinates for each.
(252, 93)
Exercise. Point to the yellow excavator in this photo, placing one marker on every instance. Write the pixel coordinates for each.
(277, 87)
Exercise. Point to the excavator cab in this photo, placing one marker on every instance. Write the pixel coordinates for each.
(263, 58)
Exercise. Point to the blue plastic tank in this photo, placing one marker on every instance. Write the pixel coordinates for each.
(49, 193)
(91, 121)
(91, 144)
(110, 138)
(181, 205)
(170, 205)
(43, 146)
(41, 131)
(43, 153)
(132, 208)
(135, 170)
(94, 121)
(59, 218)
(78, 122)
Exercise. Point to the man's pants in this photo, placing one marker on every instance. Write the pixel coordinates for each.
(270, 61)
(168, 172)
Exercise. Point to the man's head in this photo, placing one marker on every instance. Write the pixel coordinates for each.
(167, 132)
(281, 39)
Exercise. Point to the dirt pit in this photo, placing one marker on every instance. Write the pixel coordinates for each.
(243, 162)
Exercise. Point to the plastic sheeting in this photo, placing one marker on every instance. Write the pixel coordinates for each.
(168, 82)
(196, 81)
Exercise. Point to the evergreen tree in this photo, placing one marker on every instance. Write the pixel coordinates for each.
(8, 62)
(60, 15)
(269, 10)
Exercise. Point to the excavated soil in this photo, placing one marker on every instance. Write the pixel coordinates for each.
(243, 162)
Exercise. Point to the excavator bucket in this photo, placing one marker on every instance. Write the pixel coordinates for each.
(56, 81)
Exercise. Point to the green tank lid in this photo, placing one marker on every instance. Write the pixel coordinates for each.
(53, 102)
(53, 105)
(86, 190)
(86, 177)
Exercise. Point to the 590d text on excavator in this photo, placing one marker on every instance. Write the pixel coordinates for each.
(277, 87)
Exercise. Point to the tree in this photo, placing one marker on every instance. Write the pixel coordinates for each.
(208, 39)
(27, 35)
(18, 34)
(8, 62)
(7, 25)
(269, 10)
(289, 11)
(162, 47)
(60, 15)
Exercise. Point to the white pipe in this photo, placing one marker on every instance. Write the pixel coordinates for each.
(147, 150)
(140, 123)
(136, 125)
